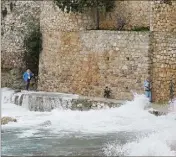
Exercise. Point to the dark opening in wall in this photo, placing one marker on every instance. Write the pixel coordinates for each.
(128, 58)
(4, 12)
(33, 47)
(11, 6)
(166, 2)
(2, 32)
(107, 58)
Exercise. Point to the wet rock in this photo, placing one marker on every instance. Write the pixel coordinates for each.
(106, 107)
(157, 113)
(6, 120)
(79, 105)
(46, 123)
(17, 90)
(99, 107)
(94, 105)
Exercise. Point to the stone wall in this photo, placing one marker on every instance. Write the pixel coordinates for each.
(164, 64)
(133, 13)
(79, 61)
(163, 69)
(85, 62)
(17, 19)
(163, 16)
(18, 15)
(52, 18)
(74, 60)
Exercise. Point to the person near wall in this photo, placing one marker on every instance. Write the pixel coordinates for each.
(107, 92)
(148, 88)
(27, 78)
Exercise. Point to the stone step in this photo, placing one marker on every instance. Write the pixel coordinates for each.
(46, 101)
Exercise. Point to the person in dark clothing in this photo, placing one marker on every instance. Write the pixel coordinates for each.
(27, 78)
(107, 92)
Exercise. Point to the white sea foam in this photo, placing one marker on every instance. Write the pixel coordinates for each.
(131, 116)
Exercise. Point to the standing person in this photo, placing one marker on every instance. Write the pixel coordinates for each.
(27, 77)
(147, 89)
(107, 92)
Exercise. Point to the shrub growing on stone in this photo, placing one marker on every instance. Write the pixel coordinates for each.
(81, 6)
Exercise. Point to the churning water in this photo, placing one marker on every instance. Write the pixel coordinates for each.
(125, 131)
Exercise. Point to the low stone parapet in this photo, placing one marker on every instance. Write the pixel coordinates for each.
(47, 101)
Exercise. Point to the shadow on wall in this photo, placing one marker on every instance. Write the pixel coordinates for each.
(33, 47)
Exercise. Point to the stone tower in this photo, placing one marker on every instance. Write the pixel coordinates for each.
(163, 69)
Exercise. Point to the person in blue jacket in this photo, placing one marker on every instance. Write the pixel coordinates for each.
(148, 88)
(27, 77)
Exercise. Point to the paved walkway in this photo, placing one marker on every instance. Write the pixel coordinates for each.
(160, 107)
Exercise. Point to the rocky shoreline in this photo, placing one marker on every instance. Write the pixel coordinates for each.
(6, 120)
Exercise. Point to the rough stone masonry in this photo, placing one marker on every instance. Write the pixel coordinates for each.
(86, 62)
(17, 17)
(163, 46)
(76, 59)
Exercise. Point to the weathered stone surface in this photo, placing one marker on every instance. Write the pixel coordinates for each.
(11, 78)
(6, 120)
(75, 60)
(93, 60)
(157, 113)
(163, 68)
(132, 13)
(120, 60)
(15, 25)
(163, 17)
(47, 101)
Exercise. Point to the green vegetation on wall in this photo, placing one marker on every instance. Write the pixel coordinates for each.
(140, 29)
(82, 5)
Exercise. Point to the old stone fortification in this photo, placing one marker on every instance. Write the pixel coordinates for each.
(132, 13)
(76, 59)
(17, 18)
(87, 61)
(164, 64)
(163, 46)
(162, 16)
